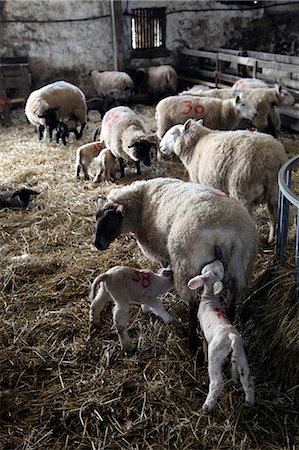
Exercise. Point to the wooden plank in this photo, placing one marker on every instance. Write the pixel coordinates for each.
(275, 57)
(198, 53)
(245, 61)
(292, 68)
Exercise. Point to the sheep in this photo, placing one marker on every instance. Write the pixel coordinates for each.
(156, 80)
(263, 99)
(124, 133)
(105, 163)
(216, 113)
(184, 225)
(103, 82)
(85, 155)
(125, 285)
(104, 102)
(16, 199)
(249, 83)
(223, 340)
(243, 163)
(55, 101)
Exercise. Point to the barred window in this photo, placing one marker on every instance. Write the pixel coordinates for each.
(148, 27)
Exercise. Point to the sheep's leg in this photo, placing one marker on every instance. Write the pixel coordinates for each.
(272, 208)
(98, 305)
(205, 348)
(216, 357)
(78, 135)
(41, 130)
(122, 167)
(78, 169)
(120, 319)
(157, 308)
(137, 164)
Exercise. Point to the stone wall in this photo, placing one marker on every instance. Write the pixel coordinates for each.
(66, 39)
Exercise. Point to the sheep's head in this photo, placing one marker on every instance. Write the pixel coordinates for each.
(211, 276)
(140, 150)
(170, 137)
(285, 97)
(109, 219)
(244, 108)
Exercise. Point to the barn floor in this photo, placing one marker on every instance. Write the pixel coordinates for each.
(67, 386)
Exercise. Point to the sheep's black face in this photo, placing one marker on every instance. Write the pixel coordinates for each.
(109, 224)
(142, 152)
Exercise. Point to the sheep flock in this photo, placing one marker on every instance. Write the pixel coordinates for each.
(67, 384)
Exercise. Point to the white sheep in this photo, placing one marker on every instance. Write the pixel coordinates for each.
(263, 99)
(125, 285)
(249, 83)
(85, 155)
(224, 341)
(243, 163)
(55, 101)
(124, 133)
(184, 225)
(105, 163)
(216, 113)
(156, 80)
(103, 82)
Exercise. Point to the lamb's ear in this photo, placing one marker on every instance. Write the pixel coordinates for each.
(196, 282)
(217, 287)
(238, 99)
(166, 272)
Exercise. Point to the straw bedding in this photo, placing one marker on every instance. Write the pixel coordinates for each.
(67, 386)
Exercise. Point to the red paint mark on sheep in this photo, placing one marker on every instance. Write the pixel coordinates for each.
(143, 277)
(190, 107)
(112, 117)
(220, 314)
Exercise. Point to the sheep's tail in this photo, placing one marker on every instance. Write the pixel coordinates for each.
(96, 133)
(96, 284)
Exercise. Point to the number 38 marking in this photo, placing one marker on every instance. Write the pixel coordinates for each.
(189, 107)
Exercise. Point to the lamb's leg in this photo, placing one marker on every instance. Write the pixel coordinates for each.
(85, 171)
(157, 308)
(216, 357)
(78, 168)
(41, 130)
(137, 164)
(98, 305)
(245, 377)
(120, 318)
(79, 135)
(122, 167)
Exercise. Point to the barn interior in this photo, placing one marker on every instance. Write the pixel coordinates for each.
(64, 383)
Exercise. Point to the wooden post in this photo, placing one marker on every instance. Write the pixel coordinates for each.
(117, 34)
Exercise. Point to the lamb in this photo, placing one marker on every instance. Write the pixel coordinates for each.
(125, 285)
(264, 100)
(104, 102)
(224, 341)
(156, 80)
(55, 101)
(85, 155)
(184, 225)
(124, 133)
(105, 163)
(243, 163)
(216, 113)
(105, 81)
(16, 199)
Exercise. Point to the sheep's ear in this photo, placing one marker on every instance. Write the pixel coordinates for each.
(217, 287)
(196, 282)
(199, 121)
(278, 87)
(238, 99)
(100, 201)
(188, 124)
(167, 273)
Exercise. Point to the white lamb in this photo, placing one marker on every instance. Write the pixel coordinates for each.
(55, 101)
(125, 285)
(216, 113)
(85, 155)
(103, 82)
(124, 133)
(105, 163)
(242, 163)
(223, 340)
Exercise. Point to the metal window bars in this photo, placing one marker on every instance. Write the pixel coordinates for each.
(285, 198)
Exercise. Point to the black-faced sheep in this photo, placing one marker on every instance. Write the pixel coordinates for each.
(184, 225)
(156, 80)
(216, 113)
(243, 163)
(58, 100)
(124, 133)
